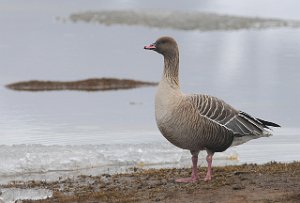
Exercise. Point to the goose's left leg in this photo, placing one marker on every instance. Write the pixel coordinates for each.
(209, 163)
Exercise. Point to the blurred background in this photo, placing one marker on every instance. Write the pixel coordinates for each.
(254, 67)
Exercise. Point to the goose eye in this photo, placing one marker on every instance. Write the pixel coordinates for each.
(161, 42)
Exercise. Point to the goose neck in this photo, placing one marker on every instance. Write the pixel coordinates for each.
(171, 70)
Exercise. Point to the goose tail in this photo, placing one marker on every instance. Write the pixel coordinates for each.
(268, 123)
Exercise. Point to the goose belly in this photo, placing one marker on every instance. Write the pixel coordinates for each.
(177, 129)
(179, 137)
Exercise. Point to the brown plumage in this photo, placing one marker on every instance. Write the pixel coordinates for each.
(198, 122)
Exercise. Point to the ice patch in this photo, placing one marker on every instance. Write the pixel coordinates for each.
(51, 162)
(11, 195)
(180, 20)
(25, 162)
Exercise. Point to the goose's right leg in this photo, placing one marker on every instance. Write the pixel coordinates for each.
(194, 177)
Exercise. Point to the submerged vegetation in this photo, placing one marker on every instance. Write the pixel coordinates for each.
(94, 84)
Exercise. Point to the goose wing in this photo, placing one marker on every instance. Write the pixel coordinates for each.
(216, 110)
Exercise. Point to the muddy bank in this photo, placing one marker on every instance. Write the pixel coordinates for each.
(179, 20)
(94, 84)
(272, 182)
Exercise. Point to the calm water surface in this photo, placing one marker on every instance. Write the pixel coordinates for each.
(256, 71)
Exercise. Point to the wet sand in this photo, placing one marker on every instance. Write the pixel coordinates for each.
(93, 84)
(272, 182)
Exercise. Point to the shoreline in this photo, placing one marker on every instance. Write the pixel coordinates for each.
(271, 182)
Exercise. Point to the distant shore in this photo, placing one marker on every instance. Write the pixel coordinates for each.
(93, 84)
(271, 182)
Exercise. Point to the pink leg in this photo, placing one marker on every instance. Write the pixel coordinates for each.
(209, 162)
(194, 177)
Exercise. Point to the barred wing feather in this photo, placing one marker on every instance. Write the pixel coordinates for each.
(240, 123)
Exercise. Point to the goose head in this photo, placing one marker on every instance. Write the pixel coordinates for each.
(166, 46)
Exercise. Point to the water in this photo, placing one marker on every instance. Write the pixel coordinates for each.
(45, 135)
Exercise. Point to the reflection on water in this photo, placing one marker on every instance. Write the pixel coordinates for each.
(255, 71)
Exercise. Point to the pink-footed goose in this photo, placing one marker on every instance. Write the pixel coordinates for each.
(198, 122)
